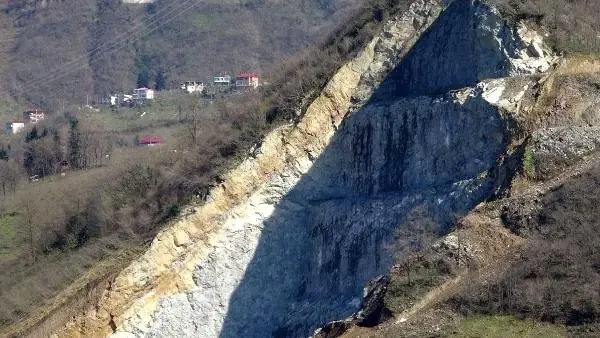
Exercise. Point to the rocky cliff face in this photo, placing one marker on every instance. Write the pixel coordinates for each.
(423, 116)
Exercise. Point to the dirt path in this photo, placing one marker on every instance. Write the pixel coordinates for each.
(435, 296)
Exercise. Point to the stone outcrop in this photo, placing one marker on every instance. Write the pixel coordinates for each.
(373, 310)
(288, 240)
(469, 42)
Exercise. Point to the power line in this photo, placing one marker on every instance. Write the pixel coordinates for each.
(83, 60)
(139, 30)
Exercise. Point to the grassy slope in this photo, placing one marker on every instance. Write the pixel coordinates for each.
(505, 326)
(9, 247)
(25, 284)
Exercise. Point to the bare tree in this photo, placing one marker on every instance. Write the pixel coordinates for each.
(191, 109)
(29, 211)
(414, 235)
(9, 175)
(88, 144)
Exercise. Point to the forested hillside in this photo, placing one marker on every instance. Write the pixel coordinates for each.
(54, 53)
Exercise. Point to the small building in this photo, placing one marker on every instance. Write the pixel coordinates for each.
(150, 141)
(246, 81)
(143, 94)
(193, 87)
(127, 99)
(111, 100)
(222, 80)
(14, 127)
(33, 115)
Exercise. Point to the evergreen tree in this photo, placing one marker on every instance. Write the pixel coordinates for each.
(32, 135)
(161, 81)
(143, 66)
(143, 79)
(74, 145)
(3, 154)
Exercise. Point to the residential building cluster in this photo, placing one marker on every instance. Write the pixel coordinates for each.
(30, 116)
(241, 82)
(222, 82)
(140, 96)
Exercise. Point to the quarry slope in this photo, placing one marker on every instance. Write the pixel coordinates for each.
(492, 239)
(289, 239)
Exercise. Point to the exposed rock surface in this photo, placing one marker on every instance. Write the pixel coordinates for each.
(554, 149)
(292, 235)
(373, 310)
(469, 42)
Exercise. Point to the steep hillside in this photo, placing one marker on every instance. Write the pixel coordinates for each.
(530, 255)
(309, 214)
(421, 118)
(61, 51)
(524, 264)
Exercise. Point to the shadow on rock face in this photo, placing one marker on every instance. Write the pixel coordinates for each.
(468, 43)
(326, 238)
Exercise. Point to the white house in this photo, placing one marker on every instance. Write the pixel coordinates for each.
(193, 87)
(222, 80)
(14, 127)
(114, 100)
(142, 94)
(127, 98)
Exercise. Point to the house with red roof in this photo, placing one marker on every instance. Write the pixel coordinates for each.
(151, 141)
(246, 81)
(33, 115)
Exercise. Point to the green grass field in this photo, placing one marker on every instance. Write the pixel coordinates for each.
(505, 326)
(8, 237)
(167, 109)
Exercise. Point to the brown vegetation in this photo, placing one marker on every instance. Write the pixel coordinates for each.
(61, 51)
(557, 277)
(103, 207)
(573, 24)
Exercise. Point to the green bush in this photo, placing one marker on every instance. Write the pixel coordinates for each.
(528, 163)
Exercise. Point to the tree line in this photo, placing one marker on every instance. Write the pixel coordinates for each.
(48, 148)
